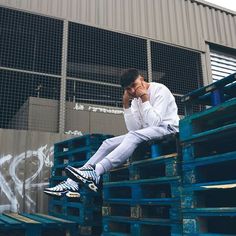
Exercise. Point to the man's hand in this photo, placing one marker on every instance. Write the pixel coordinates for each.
(141, 92)
(126, 97)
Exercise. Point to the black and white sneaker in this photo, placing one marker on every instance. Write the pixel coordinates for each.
(86, 175)
(68, 188)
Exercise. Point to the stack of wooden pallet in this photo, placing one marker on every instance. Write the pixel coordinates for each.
(143, 196)
(86, 210)
(209, 160)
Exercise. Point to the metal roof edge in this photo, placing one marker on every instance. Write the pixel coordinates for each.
(205, 3)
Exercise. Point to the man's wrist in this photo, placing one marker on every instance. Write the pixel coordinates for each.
(144, 97)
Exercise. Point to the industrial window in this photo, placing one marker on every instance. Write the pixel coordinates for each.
(93, 93)
(177, 68)
(97, 57)
(19, 109)
(222, 64)
(30, 42)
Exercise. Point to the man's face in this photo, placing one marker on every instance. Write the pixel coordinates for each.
(131, 89)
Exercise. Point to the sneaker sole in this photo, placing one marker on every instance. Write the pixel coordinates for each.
(53, 193)
(76, 177)
(73, 194)
(68, 194)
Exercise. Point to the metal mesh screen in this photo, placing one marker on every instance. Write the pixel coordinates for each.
(31, 69)
(29, 101)
(179, 69)
(30, 42)
(30, 66)
(96, 57)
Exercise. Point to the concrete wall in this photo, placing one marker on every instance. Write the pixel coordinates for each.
(42, 115)
(26, 158)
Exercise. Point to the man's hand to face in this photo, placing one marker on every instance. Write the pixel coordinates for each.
(137, 89)
(126, 98)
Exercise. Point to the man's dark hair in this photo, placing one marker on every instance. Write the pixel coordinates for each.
(128, 77)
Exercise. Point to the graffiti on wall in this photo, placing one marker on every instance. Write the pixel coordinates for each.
(20, 173)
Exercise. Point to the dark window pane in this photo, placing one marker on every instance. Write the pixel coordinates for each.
(100, 55)
(93, 93)
(30, 42)
(16, 88)
(97, 55)
(179, 69)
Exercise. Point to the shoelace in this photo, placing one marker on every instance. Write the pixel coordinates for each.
(65, 185)
(86, 168)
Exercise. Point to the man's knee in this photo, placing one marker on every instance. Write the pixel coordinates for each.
(134, 137)
(106, 142)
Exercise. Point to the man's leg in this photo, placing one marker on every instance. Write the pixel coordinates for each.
(90, 175)
(70, 188)
(120, 154)
(107, 146)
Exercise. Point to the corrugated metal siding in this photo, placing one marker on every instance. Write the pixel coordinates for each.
(181, 22)
(25, 165)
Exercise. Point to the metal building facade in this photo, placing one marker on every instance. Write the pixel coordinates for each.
(188, 23)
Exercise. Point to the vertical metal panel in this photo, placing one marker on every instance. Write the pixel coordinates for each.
(172, 16)
(220, 23)
(182, 22)
(202, 19)
(157, 30)
(185, 20)
(198, 26)
(63, 78)
(151, 26)
(166, 21)
(227, 29)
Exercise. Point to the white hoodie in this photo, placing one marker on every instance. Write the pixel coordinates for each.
(161, 109)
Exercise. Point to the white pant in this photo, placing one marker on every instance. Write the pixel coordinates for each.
(115, 151)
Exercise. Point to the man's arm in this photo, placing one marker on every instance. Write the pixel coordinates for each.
(131, 121)
(153, 114)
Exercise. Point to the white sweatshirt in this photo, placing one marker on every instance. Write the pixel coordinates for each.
(161, 109)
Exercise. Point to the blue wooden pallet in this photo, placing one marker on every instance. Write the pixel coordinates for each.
(212, 134)
(77, 211)
(212, 94)
(164, 145)
(12, 225)
(211, 168)
(210, 194)
(167, 165)
(57, 207)
(145, 190)
(143, 211)
(35, 224)
(124, 226)
(218, 142)
(91, 140)
(71, 157)
(118, 174)
(162, 166)
(209, 221)
(213, 118)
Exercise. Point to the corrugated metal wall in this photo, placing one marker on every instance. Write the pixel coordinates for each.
(25, 162)
(184, 22)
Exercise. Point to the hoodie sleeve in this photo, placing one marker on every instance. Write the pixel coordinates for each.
(132, 119)
(153, 114)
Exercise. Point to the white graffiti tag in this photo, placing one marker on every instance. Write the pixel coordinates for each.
(15, 187)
